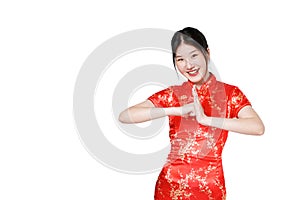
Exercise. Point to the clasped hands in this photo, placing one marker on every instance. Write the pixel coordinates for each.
(194, 109)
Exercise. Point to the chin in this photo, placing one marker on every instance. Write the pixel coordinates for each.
(195, 79)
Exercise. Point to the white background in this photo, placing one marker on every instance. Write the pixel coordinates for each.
(254, 44)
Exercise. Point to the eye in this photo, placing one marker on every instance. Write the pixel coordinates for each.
(194, 55)
(179, 59)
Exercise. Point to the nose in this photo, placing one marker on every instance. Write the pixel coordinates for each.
(189, 65)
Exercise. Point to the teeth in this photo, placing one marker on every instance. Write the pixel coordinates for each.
(193, 72)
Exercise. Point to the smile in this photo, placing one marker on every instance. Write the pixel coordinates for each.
(194, 72)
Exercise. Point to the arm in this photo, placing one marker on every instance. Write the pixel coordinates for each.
(146, 111)
(248, 122)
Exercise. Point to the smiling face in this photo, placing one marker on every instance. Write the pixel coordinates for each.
(191, 63)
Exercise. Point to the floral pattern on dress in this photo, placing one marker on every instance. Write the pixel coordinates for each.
(193, 169)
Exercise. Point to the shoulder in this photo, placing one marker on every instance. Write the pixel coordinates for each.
(182, 93)
(229, 88)
(182, 86)
(170, 96)
(233, 93)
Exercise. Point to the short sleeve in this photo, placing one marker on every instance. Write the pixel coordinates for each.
(163, 98)
(238, 101)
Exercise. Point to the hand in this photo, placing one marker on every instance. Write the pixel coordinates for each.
(187, 110)
(193, 109)
(199, 112)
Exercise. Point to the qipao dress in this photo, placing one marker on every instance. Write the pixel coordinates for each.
(193, 170)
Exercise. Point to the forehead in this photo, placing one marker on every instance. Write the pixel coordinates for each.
(184, 49)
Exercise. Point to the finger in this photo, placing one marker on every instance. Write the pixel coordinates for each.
(192, 114)
(197, 107)
(194, 92)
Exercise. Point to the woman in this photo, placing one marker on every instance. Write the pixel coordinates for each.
(201, 111)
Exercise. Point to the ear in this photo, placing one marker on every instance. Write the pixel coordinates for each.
(208, 51)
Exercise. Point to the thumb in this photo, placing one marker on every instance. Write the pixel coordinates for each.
(192, 113)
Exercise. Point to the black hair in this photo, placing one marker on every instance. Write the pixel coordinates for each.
(190, 36)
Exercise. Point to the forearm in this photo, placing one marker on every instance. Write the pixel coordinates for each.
(250, 126)
(142, 114)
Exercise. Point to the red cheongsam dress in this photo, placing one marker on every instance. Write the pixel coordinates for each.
(193, 170)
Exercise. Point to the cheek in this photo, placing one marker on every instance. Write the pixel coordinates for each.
(180, 69)
(201, 62)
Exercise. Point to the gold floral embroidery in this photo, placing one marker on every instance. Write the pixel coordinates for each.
(194, 165)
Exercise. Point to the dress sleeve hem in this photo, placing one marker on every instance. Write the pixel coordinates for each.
(240, 108)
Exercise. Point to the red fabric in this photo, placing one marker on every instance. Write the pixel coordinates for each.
(193, 170)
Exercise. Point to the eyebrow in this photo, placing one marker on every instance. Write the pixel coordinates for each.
(189, 53)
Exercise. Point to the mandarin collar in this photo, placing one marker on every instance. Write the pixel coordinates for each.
(211, 81)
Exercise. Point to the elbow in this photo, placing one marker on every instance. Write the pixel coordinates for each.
(260, 130)
(122, 118)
